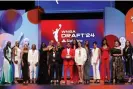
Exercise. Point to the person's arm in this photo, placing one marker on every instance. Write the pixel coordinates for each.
(37, 57)
(13, 54)
(85, 55)
(29, 57)
(99, 55)
(5, 55)
(121, 54)
(75, 58)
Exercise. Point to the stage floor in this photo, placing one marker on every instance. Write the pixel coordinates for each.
(80, 86)
(92, 85)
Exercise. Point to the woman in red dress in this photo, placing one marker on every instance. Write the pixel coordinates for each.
(75, 69)
(105, 56)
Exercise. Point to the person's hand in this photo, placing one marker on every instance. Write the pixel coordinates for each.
(10, 62)
(53, 60)
(36, 64)
(22, 64)
(95, 63)
(28, 63)
(16, 62)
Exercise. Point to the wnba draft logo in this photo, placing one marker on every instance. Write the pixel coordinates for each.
(56, 32)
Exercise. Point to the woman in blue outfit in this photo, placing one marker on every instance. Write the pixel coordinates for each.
(7, 72)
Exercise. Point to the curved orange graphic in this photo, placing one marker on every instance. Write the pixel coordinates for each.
(129, 25)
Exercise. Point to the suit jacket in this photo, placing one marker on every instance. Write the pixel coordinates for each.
(70, 61)
(33, 56)
(56, 58)
(80, 59)
(127, 53)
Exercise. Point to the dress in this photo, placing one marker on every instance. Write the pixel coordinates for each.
(43, 77)
(7, 73)
(118, 66)
(80, 56)
(75, 68)
(18, 65)
(25, 67)
(105, 70)
(87, 65)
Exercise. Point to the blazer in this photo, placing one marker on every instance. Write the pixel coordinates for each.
(33, 56)
(80, 59)
(56, 58)
(127, 53)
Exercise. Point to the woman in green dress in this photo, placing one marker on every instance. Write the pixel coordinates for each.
(7, 72)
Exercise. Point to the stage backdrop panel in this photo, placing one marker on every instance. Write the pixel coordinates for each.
(18, 25)
(64, 30)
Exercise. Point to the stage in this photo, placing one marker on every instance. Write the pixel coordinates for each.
(81, 86)
(92, 85)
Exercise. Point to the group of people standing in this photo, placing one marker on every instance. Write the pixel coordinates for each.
(76, 58)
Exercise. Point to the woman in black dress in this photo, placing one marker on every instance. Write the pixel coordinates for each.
(25, 68)
(75, 69)
(127, 54)
(43, 77)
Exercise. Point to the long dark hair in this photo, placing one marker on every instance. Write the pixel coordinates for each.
(130, 46)
(87, 45)
(41, 48)
(118, 42)
(104, 39)
(74, 39)
(7, 45)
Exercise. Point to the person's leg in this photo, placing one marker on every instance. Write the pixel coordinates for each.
(108, 69)
(65, 72)
(31, 71)
(79, 72)
(57, 73)
(24, 74)
(82, 73)
(130, 69)
(60, 71)
(16, 72)
(126, 67)
(35, 73)
(103, 74)
(94, 72)
(52, 72)
(71, 73)
(97, 72)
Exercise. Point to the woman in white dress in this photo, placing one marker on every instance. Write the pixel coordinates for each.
(17, 61)
(80, 58)
(95, 61)
(7, 72)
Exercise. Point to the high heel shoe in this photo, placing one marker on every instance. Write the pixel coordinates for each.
(129, 81)
(113, 81)
(95, 81)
